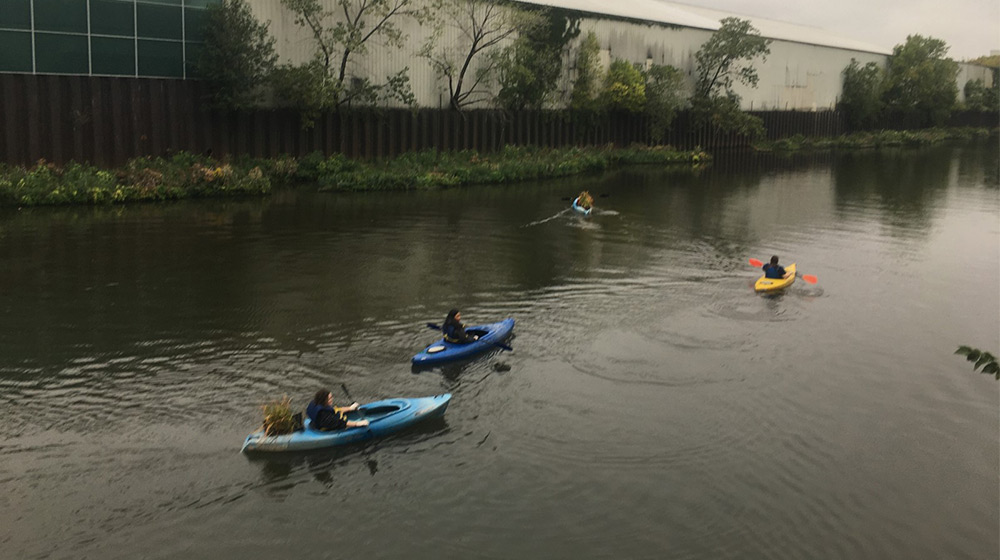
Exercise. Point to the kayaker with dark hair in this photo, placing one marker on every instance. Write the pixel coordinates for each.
(454, 330)
(774, 270)
(326, 417)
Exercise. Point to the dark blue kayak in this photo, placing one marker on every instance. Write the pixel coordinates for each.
(442, 351)
(384, 417)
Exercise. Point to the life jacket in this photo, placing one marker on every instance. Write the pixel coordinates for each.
(325, 418)
(774, 271)
(451, 332)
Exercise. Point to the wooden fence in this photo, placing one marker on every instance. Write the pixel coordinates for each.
(107, 121)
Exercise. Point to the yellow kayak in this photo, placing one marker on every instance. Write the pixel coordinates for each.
(765, 284)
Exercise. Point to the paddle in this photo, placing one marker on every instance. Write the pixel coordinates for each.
(807, 277)
(360, 412)
(500, 345)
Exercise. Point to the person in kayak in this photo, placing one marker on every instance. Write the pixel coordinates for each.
(585, 201)
(774, 270)
(454, 330)
(326, 417)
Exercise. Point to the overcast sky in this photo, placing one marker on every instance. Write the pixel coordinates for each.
(970, 27)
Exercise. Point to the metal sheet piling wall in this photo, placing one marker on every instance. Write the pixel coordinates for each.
(107, 121)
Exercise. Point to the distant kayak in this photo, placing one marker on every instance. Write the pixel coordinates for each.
(443, 351)
(765, 284)
(581, 209)
(384, 417)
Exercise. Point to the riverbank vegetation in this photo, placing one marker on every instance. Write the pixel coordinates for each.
(872, 139)
(188, 176)
(142, 179)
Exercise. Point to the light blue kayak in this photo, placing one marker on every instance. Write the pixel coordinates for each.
(384, 417)
(581, 209)
(443, 351)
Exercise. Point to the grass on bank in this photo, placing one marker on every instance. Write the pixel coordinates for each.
(873, 139)
(189, 176)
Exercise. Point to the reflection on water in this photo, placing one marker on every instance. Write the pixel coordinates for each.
(653, 406)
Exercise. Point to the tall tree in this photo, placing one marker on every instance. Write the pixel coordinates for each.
(861, 98)
(921, 79)
(237, 56)
(529, 69)
(348, 30)
(665, 95)
(588, 74)
(483, 26)
(727, 56)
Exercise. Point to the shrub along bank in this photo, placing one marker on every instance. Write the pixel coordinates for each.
(873, 139)
(188, 176)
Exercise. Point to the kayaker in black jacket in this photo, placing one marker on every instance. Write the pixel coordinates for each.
(774, 270)
(454, 330)
(326, 417)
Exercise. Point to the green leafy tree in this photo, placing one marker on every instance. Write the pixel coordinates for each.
(921, 80)
(726, 58)
(861, 99)
(529, 70)
(980, 359)
(588, 74)
(976, 96)
(624, 88)
(237, 56)
(723, 112)
(665, 95)
(470, 66)
(307, 88)
(349, 30)
(991, 99)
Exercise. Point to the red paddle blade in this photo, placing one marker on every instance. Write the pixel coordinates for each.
(755, 262)
(810, 278)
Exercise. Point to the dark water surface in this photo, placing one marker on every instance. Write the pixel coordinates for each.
(655, 407)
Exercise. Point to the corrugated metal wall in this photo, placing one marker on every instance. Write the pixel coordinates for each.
(796, 76)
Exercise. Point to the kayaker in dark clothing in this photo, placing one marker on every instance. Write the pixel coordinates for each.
(774, 270)
(326, 417)
(454, 330)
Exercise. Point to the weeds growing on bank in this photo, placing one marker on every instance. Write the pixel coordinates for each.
(187, 176)
(142, 179)
(512, 164)
(873, 139)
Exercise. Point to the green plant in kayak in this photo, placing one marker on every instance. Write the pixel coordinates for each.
(980, 359)
(278, 417)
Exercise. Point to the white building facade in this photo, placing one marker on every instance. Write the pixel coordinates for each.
(804, 71)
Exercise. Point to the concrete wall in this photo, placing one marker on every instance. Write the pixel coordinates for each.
(795, 76)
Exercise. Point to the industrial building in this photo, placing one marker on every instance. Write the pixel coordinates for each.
(160, 38)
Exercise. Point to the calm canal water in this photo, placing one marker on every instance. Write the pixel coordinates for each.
(655, 407)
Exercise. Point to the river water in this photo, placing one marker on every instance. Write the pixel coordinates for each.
(654, 406)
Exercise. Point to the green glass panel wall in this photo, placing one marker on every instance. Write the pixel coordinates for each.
(159, 22)
(200, 3)
(193, 51)
(194, 24)
(61, 15)
(61, 54)
(161, 58)
(15, 14)
(113, 56)
(15, 51)
(167, 2)
(112, 17)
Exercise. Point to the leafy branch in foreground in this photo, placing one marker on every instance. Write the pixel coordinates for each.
(980, 359)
